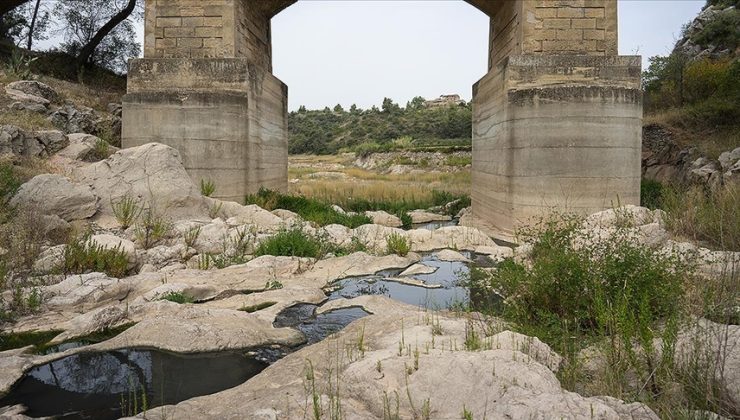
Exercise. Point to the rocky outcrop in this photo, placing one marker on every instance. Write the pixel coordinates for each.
(432, 375)
(153, 174)
(34, 88)
(57, 195)
(40, 144)
(665, 161)
(694, 46)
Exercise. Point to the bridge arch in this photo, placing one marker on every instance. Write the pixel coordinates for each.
(556, 120)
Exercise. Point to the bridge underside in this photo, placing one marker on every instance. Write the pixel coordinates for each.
(556, 120)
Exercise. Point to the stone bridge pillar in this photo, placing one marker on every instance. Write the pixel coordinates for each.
(557, 121)
(205, 86)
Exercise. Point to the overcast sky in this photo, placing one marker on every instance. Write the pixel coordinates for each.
(346, 52)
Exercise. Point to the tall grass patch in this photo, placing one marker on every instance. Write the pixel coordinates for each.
(711, 217)
(83, 255)
(311, 210)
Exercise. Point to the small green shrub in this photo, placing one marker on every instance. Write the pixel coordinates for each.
(207, 187)
(406, 220)
(651, 194)
(126, 211)
(151, 228)
(82, 255)
(178, 297)
(580, 288)
(309, 209)
(292, 243)
(9, 182)
(398, 244)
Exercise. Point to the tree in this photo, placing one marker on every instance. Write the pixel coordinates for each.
(390, 106)
(416, 103)
(8, 5)
(99, 32)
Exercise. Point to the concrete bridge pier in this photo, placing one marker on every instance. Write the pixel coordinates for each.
(556, 120)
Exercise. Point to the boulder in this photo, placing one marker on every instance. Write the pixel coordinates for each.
(56, 195)
(74, 119)
(83, 147)
(262, 219)
(52, 140)
(423, 216)
(451, 256)
(35, 88)
(339, 235)
(24, 98)
(418, 269)
(153, 174)
(50, 259)
(728, 159)
(384, 219)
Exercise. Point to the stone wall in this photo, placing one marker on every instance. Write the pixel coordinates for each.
(572, 27)
(189, 29)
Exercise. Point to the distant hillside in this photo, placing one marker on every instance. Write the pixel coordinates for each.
(328, 131)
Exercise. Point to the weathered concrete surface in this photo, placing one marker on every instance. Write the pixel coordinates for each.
(555, 133)
(227, 117)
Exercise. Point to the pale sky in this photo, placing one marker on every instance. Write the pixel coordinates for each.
(346, 52)
(360, 51)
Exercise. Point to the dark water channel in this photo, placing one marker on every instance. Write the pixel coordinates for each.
(108, 385)
(452, 278)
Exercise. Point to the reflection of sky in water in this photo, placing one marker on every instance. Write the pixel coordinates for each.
(113, 372)
(448, 274)
(93, 385)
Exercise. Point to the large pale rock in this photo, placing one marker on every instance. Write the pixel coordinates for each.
(55, 194)
(384, 219)
(519, 381)
(152, 173)
(417, 269)
(423, 216)
(454, 237)
(85, 291)
(339, 235)
(451, 256)
(25, 98)
(50, 259)
(238, 215)
(36, 88)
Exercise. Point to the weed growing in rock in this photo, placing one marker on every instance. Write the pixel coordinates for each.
(83, 255)
(126, 210)
(207, 187)
(190, 237)
(101, 150)
(215, 210)
(293, 242)
(178, 297)
(398, 244)
(151, 229)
